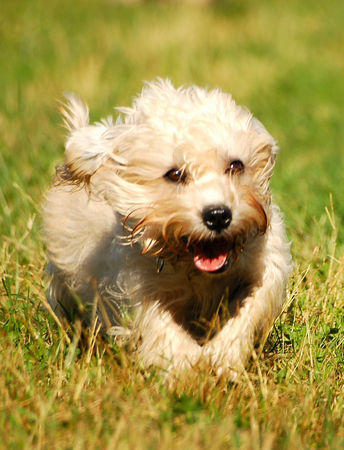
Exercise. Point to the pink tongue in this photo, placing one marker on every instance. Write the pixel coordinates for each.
(210, 264)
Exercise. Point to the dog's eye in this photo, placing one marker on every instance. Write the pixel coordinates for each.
(176, 175)
(235, 166)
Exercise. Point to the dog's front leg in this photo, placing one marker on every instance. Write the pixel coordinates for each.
(163, 342)
(229, 351)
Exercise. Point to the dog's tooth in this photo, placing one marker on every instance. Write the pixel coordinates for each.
(159, 264)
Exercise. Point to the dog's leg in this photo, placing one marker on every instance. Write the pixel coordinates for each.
(231, 348)
(163, 342)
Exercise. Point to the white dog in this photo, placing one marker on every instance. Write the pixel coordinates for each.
(161, 226)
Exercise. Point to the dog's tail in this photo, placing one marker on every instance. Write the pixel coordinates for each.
(75, 112)
(87, 145)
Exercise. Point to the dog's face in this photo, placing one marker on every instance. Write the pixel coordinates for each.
(189, 172)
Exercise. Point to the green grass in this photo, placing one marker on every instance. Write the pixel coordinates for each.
(282, 59)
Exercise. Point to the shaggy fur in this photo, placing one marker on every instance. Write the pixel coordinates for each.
(161, 227)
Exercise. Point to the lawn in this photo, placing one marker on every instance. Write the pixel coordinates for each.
(285, 61)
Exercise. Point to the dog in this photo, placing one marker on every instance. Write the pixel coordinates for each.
(160, 227)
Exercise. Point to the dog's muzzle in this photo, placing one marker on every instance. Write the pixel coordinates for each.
(213, 255)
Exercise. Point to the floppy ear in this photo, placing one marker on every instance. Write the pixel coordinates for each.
(266, 154)
(266, 148)
(87, 146)
(264, 162)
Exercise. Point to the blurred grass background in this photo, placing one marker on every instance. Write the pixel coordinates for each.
(285, 61)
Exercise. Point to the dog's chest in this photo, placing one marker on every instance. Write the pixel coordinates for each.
(202, 305)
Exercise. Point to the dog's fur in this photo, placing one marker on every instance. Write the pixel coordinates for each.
(161, 226)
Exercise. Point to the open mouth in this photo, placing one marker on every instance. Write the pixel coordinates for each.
(212, 256)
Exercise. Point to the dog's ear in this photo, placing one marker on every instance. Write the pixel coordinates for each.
(266, 147)
(264, 162)
(264, 158)
(266, 153)
(87, 146)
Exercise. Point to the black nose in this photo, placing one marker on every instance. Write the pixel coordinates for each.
(217, 218)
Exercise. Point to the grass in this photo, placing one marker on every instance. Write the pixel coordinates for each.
(283, 60)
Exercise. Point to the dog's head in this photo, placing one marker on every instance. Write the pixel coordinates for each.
(187, 169)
